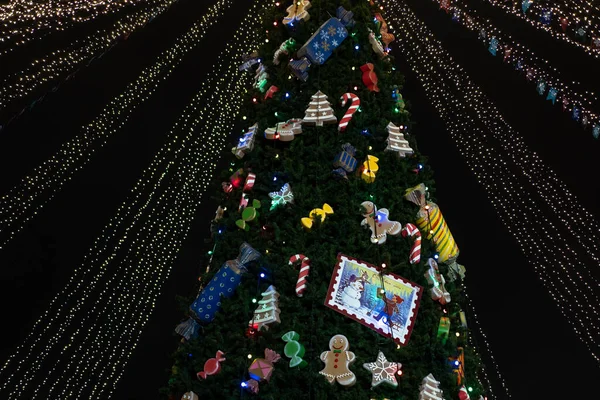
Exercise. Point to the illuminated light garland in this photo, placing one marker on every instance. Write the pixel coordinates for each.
(57, 64)
(24, 21)
(534, 67)
(582, 13)
(465, 110)
(188, 160)
(24, 201)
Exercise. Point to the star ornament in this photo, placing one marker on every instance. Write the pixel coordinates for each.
(383, 371)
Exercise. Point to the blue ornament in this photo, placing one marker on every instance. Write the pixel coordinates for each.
(345, 16)
(546, 17)
(576, 113)
(493, 46)
(541, 87)
(224, 283)
(552, 92)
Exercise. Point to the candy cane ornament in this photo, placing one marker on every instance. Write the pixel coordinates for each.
(353, 107)
(304, 270)
(415, 251)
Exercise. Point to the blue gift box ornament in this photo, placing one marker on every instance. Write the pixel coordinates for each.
(346, 159)
(224, 283)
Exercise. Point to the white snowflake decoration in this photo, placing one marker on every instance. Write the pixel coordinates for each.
(383, 371)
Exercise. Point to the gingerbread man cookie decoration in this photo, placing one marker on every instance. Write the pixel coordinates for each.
(378, 222)
(337, 362)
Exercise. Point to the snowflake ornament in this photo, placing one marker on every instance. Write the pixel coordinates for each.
(342, 32)
(383, 371)
(324, 34)
(282, 197)
(320, 57)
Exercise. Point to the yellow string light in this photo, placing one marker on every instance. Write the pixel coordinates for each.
(35, 190)
(133, 256)
(56, 65)
(553, 230)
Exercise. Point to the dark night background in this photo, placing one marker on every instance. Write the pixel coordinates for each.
(536, 349)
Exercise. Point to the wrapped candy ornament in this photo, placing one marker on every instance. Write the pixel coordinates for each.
(369, 77)
(212, 366)
(307, 222)
(293, 349)
(261, 369)
(378, 222)
(321, 44)
(224, 283)
(431, 221)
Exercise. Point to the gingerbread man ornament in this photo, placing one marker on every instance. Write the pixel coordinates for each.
(337, 362)
(379, 223)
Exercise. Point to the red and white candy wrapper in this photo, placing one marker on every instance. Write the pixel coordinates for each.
(250, 179)
(303, 274)
(415, 251)
(353, 107)
(212, 366)
(463, 394)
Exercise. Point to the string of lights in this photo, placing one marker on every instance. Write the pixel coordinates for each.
(571, 95)
(150, 228)
(35, 190)
(58, 64)
(507, 171)
(577, 23)
(24, 21)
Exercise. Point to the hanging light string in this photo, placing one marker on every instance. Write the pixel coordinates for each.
(570, 95)
(200, 134)
(562, 270)
(51, 69)
(38, 188)
(579, 15)
(25, 21)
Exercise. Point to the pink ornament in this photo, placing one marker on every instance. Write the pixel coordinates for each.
(212, 366)
(369, 77)
(272, 90)
(304, 271)
(463, 394)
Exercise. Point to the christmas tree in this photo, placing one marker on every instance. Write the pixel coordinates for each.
(319, 111)
(349, 275)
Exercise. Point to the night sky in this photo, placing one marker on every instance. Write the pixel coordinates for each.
(536, 350)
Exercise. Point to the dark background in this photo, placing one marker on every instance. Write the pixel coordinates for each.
(537, 351)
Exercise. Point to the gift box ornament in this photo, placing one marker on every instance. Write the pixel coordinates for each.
(223, 284)
(396, 141)
(443, 329)
(345, 159)
(246, 142)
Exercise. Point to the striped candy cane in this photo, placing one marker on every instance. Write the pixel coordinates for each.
(304, 270)
(353, 107)
(415, 251)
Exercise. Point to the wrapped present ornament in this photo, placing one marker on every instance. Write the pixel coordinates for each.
(431, 221)
(321, 44)
(345, 159)
(223, 284)
(246, 143)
